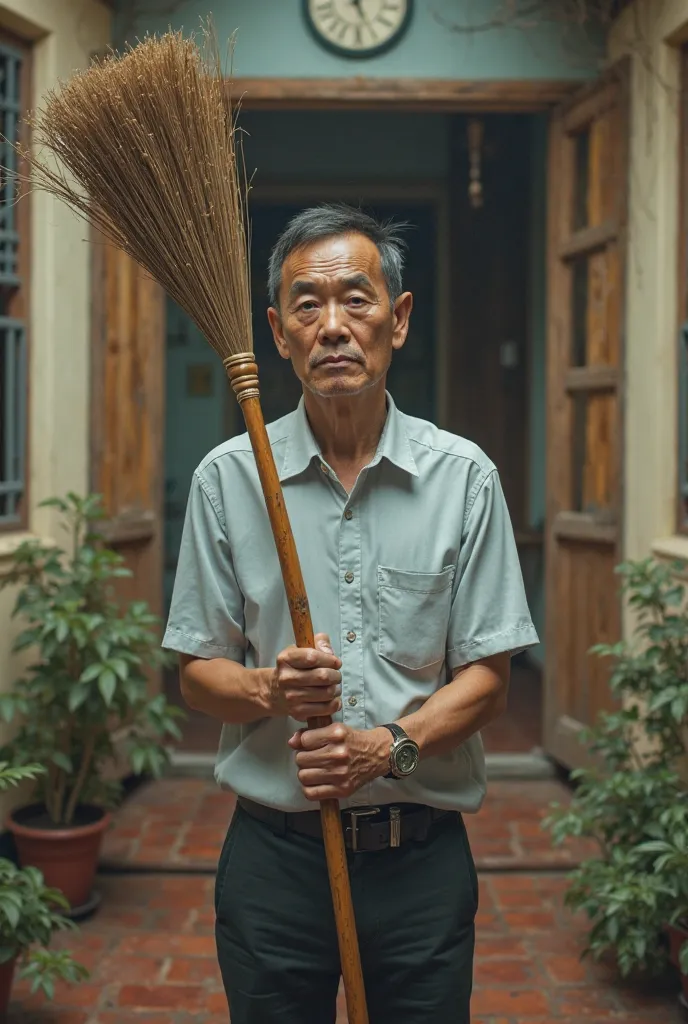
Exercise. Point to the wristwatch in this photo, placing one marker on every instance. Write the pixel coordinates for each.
(404, 754)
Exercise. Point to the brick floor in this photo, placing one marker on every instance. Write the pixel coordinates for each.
(151, 952)
(178, 824)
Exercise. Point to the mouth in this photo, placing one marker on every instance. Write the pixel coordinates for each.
(337, 361)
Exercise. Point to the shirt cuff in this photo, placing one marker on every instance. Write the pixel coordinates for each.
(514, 640)
(182, 643)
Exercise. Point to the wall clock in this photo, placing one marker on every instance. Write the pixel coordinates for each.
(358, 28)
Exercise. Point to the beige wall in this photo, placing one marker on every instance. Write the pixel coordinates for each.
(64, 33)
(650, 31)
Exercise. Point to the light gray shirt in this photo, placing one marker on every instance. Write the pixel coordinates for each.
(412, 574)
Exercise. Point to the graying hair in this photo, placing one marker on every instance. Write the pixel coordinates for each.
(331, 219)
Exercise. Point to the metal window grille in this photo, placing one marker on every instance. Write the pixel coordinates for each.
(13, 420)
(10, 113)
(13, 382)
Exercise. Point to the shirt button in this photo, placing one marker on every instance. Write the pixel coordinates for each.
(352, 702)
(348, 514)
(349, 577)
(324, 467)
(351, 636)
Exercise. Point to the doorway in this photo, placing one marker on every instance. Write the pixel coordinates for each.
(475, 356)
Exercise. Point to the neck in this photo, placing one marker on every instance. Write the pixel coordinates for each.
(348, 428)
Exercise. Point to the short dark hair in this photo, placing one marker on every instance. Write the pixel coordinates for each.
(328, 219)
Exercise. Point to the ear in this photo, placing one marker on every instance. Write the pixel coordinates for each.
(275, 321)
(402, 315)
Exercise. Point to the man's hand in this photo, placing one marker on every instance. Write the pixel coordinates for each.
(306, 682)
(336, 761)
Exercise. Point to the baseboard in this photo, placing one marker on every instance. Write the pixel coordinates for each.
(534, 765)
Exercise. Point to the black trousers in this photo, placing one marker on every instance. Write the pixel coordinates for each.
(277, 947)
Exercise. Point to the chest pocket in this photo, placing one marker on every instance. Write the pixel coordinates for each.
(414, 609)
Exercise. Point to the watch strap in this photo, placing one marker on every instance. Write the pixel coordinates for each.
(396, 731)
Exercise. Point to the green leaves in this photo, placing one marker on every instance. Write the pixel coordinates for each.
(44, 967)
(92, 661)
(636, 806)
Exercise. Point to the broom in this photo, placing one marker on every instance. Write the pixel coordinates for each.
(146, 151)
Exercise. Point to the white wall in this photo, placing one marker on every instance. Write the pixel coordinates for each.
(64, 34)
(650, 31)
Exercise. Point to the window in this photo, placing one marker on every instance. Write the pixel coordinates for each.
(13, 292)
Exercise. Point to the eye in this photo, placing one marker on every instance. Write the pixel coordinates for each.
(308, 306)
(357, 301)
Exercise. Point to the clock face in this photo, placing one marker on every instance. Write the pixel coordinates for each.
(358, 28)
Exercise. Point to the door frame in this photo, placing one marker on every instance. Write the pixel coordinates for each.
(432, 193)
(428, 95)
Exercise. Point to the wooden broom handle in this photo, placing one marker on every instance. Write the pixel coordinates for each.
(243, 375)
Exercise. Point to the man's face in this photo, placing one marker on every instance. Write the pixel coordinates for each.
(335, 320)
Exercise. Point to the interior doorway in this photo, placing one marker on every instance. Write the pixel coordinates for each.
(474, 361)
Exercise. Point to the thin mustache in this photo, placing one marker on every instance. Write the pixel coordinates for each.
(342, 353)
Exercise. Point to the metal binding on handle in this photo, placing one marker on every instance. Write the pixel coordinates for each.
(242, 371)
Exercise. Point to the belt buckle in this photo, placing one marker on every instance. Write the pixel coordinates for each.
(355, 814)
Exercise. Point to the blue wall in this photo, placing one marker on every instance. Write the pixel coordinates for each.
(273, 40)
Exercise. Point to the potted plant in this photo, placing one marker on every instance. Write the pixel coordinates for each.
(86, 689)
(633, 801)
(670, 851)
(29, 914)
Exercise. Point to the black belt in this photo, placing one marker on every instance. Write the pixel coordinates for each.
(366, 829)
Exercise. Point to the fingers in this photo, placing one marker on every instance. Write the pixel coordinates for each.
(330, 735)
(308, 657)
(304, 712)
(336, 757)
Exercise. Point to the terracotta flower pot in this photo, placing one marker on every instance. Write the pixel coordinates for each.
(6, 979)
(678, 934)
(67, 857)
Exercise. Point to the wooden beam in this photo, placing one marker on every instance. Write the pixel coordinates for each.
(589, 240)
(579, 526)
(436, 94)
(592, 378)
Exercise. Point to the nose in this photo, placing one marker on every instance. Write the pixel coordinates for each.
(333, 329)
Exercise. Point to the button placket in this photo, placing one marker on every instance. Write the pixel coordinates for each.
(350, 610)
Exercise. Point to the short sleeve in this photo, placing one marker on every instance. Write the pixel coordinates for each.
(489, 612)
(206, 616)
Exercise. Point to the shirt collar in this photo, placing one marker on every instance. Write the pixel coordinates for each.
(302, 448)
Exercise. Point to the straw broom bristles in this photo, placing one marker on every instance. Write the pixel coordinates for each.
(146, 148)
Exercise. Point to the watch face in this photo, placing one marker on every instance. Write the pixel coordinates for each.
(406, 758)
(358, 28)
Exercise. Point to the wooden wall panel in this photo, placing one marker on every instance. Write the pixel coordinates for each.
(127, 442)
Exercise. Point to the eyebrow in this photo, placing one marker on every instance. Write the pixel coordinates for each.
(302, 286)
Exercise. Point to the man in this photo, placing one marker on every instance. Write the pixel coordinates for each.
(413, 577)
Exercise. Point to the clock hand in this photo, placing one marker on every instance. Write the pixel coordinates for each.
(358, 4)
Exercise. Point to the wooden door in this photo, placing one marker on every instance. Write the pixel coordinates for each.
(127, 389)
(588, 172)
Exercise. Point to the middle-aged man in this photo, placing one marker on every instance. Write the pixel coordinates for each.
(413, 578)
